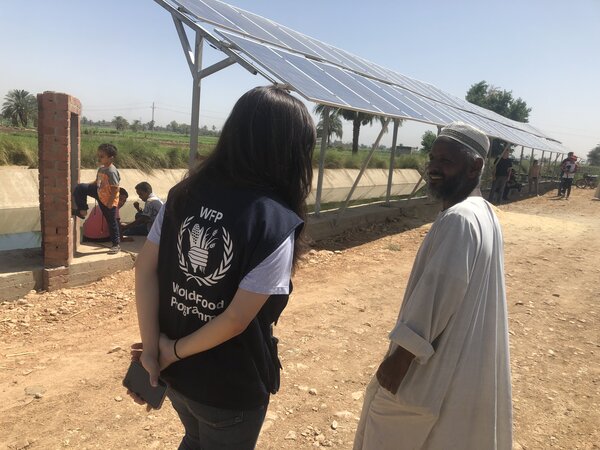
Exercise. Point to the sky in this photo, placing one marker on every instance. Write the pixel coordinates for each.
(120, 56)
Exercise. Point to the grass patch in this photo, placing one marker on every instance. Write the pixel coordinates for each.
(146, 150)
(143, 150)
(18, 150)
(336, 158)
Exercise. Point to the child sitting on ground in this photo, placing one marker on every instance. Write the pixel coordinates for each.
(144, 217)
(105, 189)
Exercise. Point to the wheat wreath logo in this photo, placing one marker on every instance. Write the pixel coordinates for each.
(202, 241)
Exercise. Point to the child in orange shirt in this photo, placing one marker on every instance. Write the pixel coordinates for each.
(95, 228)
(105, 189)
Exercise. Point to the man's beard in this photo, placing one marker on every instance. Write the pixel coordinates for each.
(457, 187)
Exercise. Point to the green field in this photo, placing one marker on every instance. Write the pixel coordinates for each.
(146, 150)
(139, 150)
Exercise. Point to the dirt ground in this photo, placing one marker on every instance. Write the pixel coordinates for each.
(63, 354)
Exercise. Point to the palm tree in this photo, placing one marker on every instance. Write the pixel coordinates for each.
(335, 123)
(358, 119)
(19, 106)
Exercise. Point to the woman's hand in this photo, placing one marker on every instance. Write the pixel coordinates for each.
(166, 353)
(150, 363)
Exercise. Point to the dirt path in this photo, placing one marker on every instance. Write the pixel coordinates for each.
(63, 354)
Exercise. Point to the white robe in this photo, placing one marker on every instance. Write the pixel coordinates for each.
(456, 393)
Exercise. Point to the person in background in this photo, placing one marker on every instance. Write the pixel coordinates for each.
(534, 176)
(502, 169)
(512, 184)
(144, 218)
(95, 227)
(105, 189)
(445, 381)
(568, 169)
(214, 274)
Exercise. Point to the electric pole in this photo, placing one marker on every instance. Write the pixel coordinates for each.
(152, 116)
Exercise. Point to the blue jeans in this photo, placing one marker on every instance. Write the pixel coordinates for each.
(138, 230)
(210, 428)
(84, 190)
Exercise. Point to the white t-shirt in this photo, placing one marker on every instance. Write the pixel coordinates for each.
(569, 168)
(151, 209)
(271, 276)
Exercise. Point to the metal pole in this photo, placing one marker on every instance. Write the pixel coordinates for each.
(392, 157)
(555, 165)
(322, 159)
(360, 174)
(414, 191)
(521, 158)
(194, 126)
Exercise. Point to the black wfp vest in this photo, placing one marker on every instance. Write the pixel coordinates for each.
(225, 233)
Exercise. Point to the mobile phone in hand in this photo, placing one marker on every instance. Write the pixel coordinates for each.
(137, 380)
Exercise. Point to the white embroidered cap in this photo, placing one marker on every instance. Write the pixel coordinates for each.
(469, 136)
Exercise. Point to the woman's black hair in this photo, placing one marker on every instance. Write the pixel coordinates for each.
(266, 143)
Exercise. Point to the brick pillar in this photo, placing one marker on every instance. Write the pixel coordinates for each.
(58, 147)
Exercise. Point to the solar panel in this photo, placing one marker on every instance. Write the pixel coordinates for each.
(325, 83)
(286, 72)
(326, 74)
(318, 72)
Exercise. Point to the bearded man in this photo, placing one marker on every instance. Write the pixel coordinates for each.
(445, 381)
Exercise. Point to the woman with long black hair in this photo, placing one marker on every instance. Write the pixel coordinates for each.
(214, 275)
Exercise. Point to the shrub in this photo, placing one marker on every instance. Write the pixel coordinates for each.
(352, 161)
(412, 161)
(15, 152)
(178, 158)
(379, 162)
(333, 160)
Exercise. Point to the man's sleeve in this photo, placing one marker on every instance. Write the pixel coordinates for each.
(150, 209)
(440, 288)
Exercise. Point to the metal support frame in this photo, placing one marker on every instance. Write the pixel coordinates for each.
(416, 188)
(556, 163)
(324, 136)
(392, 157)
(360, 174)
(193, 57)
(196, 90)
(521, 157)
(194, 60)
(229, 61)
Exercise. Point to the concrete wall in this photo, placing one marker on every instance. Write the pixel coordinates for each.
(19, 186)
(373, 184)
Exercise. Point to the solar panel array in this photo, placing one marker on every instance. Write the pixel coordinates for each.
(328, 75)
